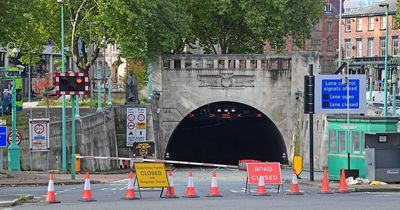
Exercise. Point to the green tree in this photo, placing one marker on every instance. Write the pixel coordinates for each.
(242, 26)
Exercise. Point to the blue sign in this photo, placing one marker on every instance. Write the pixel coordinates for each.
(332, 97)
(3, 136)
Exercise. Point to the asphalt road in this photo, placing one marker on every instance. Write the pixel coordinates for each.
(231, 184)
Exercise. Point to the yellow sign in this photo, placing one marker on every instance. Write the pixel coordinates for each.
(141, 125)
(298, 164)
(151, 175)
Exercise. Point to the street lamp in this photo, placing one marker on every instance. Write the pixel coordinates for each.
(386, 5)
(64, 120)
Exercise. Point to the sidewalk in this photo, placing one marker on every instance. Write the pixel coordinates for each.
(357, 188)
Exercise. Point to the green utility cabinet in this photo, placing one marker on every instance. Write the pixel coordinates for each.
(345, 139)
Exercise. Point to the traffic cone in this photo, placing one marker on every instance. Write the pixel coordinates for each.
(190, 191)
(130, 192)
(51, 195)
(325, 183)
(343, 185)
(87, 192)
(171, 189)
(261, 191)
(294, 189)
(214, 191)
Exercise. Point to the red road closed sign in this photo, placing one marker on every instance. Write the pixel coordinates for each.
(270, 171)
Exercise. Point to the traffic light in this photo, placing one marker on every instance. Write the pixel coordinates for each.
(308, 94)
(72, 83)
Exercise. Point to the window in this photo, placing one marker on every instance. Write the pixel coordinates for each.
(327, 7)
(371, 23)
(332, 141)
(355, 136)
(348, 25)
(330, 26)
(359, 47)
(359, 24)
(329, 43)
(395, 46)
(342, 141)
(348, 48)
(370, 47)
(315, 44)
(383, 22)
(383, 46)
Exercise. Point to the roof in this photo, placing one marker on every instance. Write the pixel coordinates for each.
(373, 10)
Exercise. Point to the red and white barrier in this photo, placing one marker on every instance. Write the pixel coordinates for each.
(159, 161)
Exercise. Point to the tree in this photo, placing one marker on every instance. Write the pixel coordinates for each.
(242, 26)
(42, 86)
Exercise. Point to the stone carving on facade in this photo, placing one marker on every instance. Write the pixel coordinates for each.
(226, 80)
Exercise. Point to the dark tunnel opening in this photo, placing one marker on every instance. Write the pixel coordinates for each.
(224, 133)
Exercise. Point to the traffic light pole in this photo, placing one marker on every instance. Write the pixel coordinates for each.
(73, 173)
(13, 149)
(63, 112)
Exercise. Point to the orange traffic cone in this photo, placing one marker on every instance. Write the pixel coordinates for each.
(171, 189)
(190, 191)
(214, 191)
(261, 191)
(51, 195)
(325, 183)
(343, 185)
(130, 192)
(294, 189)
(87, 192)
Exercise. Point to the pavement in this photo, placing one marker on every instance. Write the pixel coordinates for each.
(40, 178)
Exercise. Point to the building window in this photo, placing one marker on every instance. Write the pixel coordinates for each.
(348, 25)
(359, 47)
(371, 47)
(395, 46)
(342, 141)
(359, 24)
(348, 48)
(371, 23)
(382, 46)
(356, 141)
(329, 43)
(330, 26)
(328, 7)
(383, 22)
(332, 141)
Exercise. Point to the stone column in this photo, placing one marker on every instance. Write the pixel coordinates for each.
(259, 63)
(171, 64)
(248, 64)
(194, 66)
(215, 65)
(183, 63)
(237, 64)
(226, 63)
(204, 64)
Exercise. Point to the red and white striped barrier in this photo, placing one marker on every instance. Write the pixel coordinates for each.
(159, 161)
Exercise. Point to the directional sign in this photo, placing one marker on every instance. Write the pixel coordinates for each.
(3, 136)
(38, 134)
(332, 95)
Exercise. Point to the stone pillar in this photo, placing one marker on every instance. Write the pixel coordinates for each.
(204, 64)
(248, 64)
(237, 64)
(183, 63)
(226, 63)
(194, 66)
(259, 63)
(215, 65)
(171, 64)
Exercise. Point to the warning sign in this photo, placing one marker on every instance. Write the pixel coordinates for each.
(39, 134)
(151, 175)
(144, 149)
(135, 125)
(270, 171)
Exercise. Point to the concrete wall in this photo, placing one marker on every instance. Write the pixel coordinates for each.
(95, 136)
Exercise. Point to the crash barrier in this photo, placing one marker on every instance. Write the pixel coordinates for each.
(190, 190)
(132, 160)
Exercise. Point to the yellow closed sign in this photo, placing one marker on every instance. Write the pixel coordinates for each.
(151, 175)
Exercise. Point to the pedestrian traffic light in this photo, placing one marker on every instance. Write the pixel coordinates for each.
(72, 83)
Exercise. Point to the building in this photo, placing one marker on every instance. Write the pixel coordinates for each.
(324, 39)
(349, 5)
(363, 38)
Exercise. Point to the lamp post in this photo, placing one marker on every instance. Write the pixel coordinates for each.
(150, 82)
(394, 91)
(109, 101)
(386, 5)
(63, 112)
(14, 153)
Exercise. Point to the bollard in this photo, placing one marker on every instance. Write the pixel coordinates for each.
(77, 164)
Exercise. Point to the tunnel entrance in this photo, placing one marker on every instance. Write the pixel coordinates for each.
(225, 132)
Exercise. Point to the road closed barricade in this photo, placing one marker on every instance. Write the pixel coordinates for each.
(269, 171)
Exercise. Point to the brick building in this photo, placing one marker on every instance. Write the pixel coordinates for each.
(324, 39)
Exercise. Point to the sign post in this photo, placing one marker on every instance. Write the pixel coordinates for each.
(39, 135)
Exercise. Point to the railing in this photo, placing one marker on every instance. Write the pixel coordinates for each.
(226, 62)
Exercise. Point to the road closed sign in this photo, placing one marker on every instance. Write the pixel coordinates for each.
(151, 175)
(271, 172)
